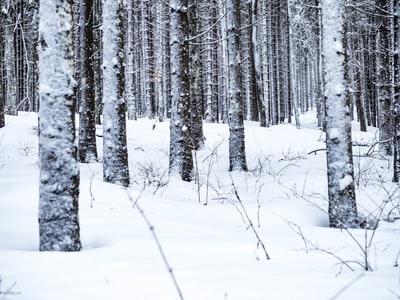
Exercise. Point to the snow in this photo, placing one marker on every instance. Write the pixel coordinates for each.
(345, 182)
(211, 249)
(335, 133)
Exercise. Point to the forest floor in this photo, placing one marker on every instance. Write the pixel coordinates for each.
(208, 228)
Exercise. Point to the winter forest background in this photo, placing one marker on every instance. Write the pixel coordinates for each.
(257, 129)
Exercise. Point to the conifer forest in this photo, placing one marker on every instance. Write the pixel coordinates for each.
(89, 71)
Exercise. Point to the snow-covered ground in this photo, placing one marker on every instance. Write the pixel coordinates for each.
(202, 228)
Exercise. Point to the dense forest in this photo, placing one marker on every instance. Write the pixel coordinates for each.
(191, 61)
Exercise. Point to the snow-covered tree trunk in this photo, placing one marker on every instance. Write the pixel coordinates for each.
(180, 156)
(341, 192)
(9, 69)
(148, 57)
(237, 152)
(396, 86)
(98, 59)
(292, 64)
(256, 36)
(87, 125)
(195, 79)
(265, 64)
(59, 169)
(221, 64)
(159, 54)
(211, 114)
(165, 71)
(115, 152)
(384, 62)
(129, 62)
(3, 18)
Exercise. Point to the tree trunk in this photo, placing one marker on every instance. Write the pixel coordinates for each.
(87, 125)
(181, 143)
(3, 18)
(237, 152)
(195, 79)
(115, 152)
(384, 64)
(396, 86)
(59, 169)
(129, 62)
(341, 192)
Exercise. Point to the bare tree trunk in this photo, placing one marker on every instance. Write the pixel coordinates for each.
(341, 191)
(256, 34)
(237, 152)
(195, 79)
(129, 62)
(115, 152)
(180, 156)
(384, 64)
(59, 169)
(3, 22)
(396, 85)
(87, 123)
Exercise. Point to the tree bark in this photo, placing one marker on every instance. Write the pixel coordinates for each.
(237, 152)
(341, 191)
(59, 169)
(115, 152)
(181, 143)
(87, 123)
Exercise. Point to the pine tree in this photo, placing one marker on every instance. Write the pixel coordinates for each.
(59, 169)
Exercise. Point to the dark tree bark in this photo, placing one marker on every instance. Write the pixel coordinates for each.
(237, 151)
(396, 86)
(3, 18)
(87, 125)
(384, 73)
(195, 79)
(59, 169)
(98, 58)
(181, 143)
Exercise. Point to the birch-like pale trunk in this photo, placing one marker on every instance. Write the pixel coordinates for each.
(115, 152)
(341, 191)
(59, 169)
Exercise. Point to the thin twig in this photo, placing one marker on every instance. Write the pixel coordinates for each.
(297, 229)
(157, 241)
(9, 290)
(248, 219)
(347, 286)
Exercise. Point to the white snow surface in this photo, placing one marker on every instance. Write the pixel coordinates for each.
(211, 249)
